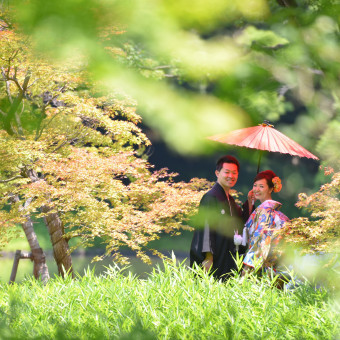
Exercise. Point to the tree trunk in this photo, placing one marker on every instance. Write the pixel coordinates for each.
(40, 269)
(61, 250)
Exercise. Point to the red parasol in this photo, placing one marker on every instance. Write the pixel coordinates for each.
(263, 137)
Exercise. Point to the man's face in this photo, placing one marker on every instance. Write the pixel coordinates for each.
(227, 176)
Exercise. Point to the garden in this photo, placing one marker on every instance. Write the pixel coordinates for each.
(112, 115)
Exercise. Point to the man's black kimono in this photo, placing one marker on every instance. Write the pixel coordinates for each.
(215, 231)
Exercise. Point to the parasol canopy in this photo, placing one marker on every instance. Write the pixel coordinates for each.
(263, 137)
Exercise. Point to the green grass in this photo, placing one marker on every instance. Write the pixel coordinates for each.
(171, 303)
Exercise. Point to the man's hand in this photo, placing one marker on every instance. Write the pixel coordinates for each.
(208, 261)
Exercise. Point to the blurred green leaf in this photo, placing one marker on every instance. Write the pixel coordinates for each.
(264, 38)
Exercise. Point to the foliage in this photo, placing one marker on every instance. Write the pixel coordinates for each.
(268, 58)
(172, 303)
(200, 69)
(210, 69)
(321, 231)
(69, 145)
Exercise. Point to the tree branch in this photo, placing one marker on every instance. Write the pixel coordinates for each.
(6, 79)
(15, 53)
(33, 83)
(67, 141)
(18, 121)
(39, 132)
(27, 79)
(10, 179)
(15, 105)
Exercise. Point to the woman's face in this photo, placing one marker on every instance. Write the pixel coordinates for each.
(262, 191)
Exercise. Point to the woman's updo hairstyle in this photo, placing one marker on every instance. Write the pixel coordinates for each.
(273, 181)
(268, 175)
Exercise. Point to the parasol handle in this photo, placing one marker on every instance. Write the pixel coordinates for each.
(258, 164)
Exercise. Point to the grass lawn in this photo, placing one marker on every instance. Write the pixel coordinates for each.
(171, 303)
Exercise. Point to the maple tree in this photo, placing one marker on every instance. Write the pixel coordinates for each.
(320, 232)
(266, 58)
(73, 155)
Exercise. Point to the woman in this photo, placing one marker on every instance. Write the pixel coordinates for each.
(263, 225)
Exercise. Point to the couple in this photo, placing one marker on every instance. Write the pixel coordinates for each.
(221, 230)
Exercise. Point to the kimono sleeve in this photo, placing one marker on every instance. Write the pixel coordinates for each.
(201, 242)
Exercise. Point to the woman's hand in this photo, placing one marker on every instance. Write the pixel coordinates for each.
(251, 200)
(251, 197)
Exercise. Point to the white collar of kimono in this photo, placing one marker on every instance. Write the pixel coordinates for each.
(270, 204)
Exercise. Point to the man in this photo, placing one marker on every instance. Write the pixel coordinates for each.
(219, 219)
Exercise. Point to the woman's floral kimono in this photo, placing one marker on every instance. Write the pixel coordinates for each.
(262, 227)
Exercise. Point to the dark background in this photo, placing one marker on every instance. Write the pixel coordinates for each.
(297, 174)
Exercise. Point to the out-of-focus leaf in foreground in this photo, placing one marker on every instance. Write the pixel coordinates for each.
(171, 34)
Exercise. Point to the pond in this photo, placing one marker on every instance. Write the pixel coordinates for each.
(310, 266)
(81, 263)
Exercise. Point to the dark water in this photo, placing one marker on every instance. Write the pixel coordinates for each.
(309, 265)
(81, 263)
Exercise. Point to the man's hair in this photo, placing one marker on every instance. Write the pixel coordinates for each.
(227, 159)
(268, 175)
